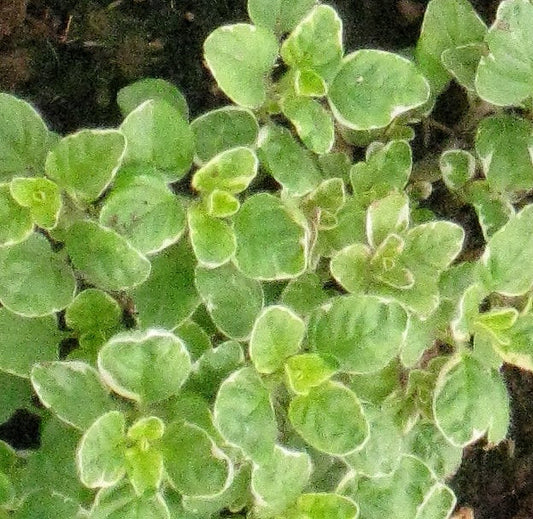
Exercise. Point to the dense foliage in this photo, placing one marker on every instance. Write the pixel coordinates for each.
(264, 326)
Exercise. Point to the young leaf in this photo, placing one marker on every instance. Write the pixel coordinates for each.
(223, 129)
(278, 481)
(373, 87)
(61, 386)
(308, 83)
(34, 281)
(470, 401)
(194, 465)
(144, 468)
(223, 290)
(16, 223)
(462, 62)
(159, 136)
(84, 163)
(134, 94)
(492, 145)
(101, 454)
(386, 216)
(279, 16)
(290, 164)
(457, 168)
(448, 24)
(261, 253)
(306, 371)
(168, 296)
(24, 139)
(346, 428)
(221, 204)
(351, 267)
(47, 505)
(360, 333)
(41, 196)
(146, 213)
(104, 257)
(244, 415)
(276, 335)
(147, 428)
(145, 366)
(326, 506)
(240, 56)
(24, 342)
(504, 76)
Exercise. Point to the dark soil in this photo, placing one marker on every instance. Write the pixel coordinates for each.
(70, 57)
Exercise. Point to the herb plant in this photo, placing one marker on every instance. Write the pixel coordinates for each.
(266, 326)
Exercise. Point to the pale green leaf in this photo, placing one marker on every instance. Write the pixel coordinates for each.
(351, 267)
(309, 83)
(306, 371)
(16, 223)
(462, 62)
(222, 204)
(279, 16)
(326, 506)
(147, 428)
(386, 216)
(144, 468)
(457, 168)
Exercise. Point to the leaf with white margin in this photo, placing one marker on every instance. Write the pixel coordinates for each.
(47, 505)
(316, 43)
(280, 16)
(506, 265)
(447, 24)
(157, 135)
(360, 333)
(16, 223)
(325, 506)
(240, 56)
(145, 212)
(24, 138)
(194, 464)
(507, 168)
(346, 428)
(457, 168)
(462, 62)
(225, 289)
(278, 481)
(271, 239)
(41, 196)
(85, 163)
(34, 281)
(61, 386)
(306, 371)
(144, 467)
(223, 129)
(120, 502)
(222, 204)
(386, 216)
(145, 366)
(276, 335)
(469, 401)
(244, 415)
(373, 87)
(101, 456)
(504, 76)
(104, 257)
(24, 342)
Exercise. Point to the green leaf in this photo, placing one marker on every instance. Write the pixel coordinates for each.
(232, 171)
(147, 428)
(506, 266)
(240, 56)
(101, 454)
(145, 366)
(316, 43)
(157, 135)
(386, 216)
(457, 168)
(504, 76)
(24, 138)
(34, 281)
(244, 415)
(195, 337)
(144, 467)
(351, 267)
(16, 394)
(194, 465)
(346, 428)
(7, 490)
(306, 371)
(309, 83)
(304, 293)
(168, 296)
(276, 335)
(223, 129)
(61, 386)
(462, 62)
(373, 87)
(279, 16)
(223, 290)
(290, 164)
(146, 213)
(47, 505)
(326, 506)
(104, 257)
(470, 401)
(221, 204)
(261, 253)
(312, 122)
(278, 481)
(16, 223)
(41, 196)
(448, 24)
(84, 163)
(133, 95)
(24, 342)
(121, 502)
(360, 333)
(492, 145)
(517, 348)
